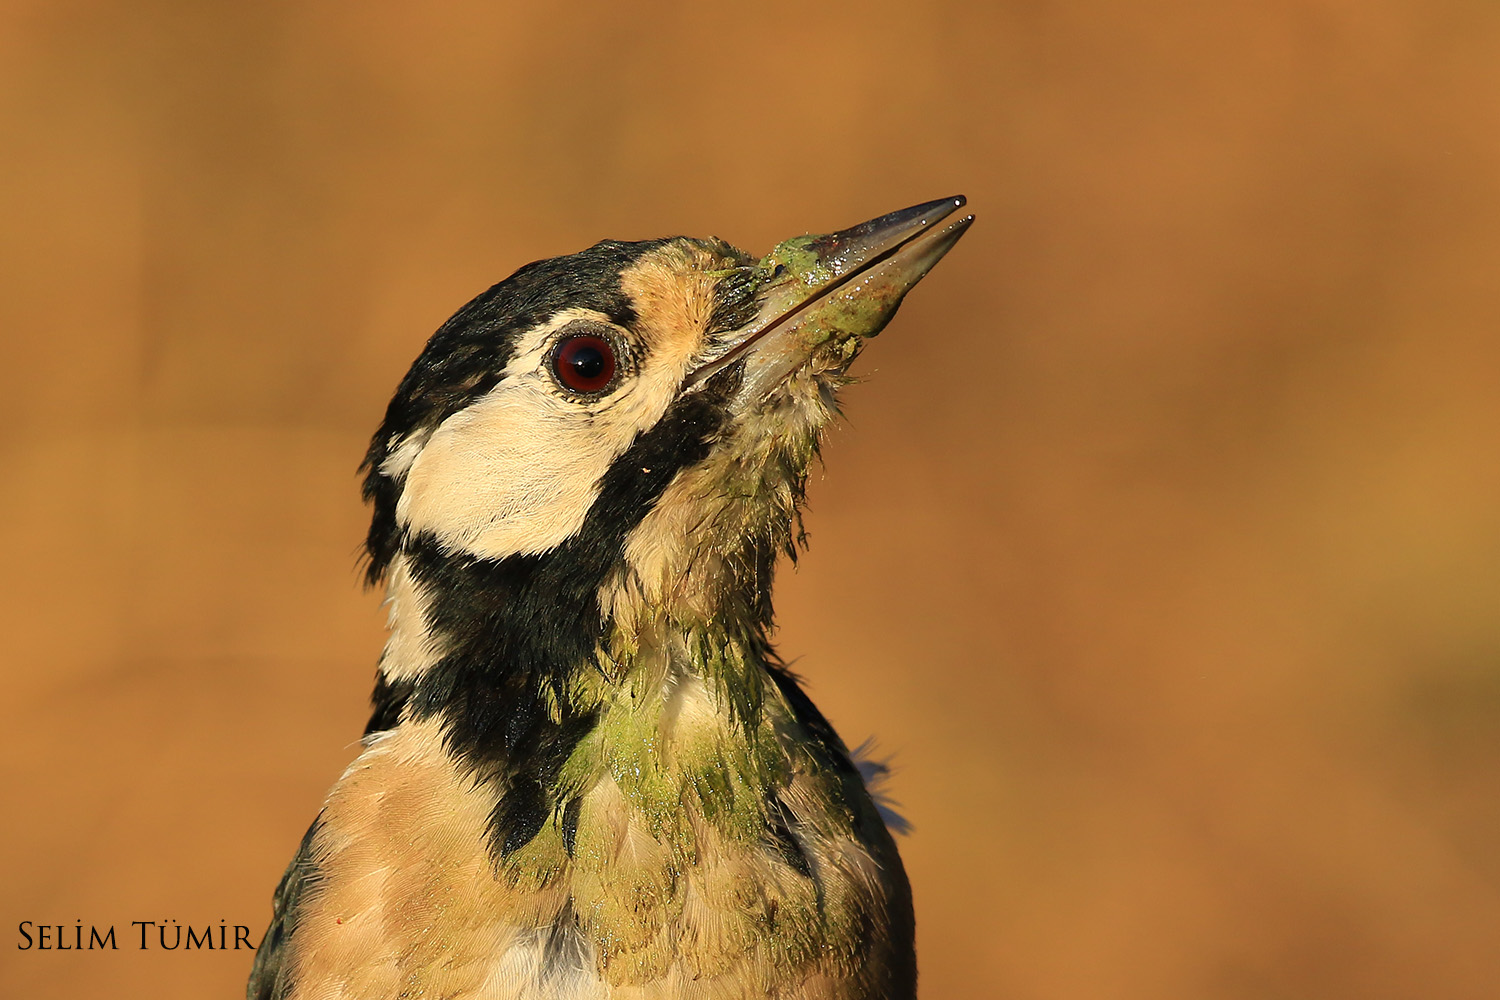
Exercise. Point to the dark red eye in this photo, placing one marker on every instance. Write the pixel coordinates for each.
(585, 363)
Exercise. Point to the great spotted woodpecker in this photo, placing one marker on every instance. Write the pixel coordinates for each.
(587, 775)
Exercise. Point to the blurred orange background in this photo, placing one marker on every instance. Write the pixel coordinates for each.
(1161, 546)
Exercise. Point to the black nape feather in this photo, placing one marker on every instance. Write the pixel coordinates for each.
(386, 703)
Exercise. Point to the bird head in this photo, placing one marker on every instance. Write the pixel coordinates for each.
(620, 437)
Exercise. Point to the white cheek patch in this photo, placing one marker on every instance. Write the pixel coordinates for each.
(516, 472)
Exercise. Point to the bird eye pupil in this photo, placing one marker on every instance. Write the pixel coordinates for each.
(587, 362)
(584, 363)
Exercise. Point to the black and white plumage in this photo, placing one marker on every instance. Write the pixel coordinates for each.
(587, 775)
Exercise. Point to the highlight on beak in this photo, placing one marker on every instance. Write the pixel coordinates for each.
(827, 294)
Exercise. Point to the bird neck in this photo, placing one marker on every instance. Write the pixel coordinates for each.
(547, 693)
(660, 756)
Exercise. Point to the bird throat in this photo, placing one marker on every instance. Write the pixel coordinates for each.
(677, 708)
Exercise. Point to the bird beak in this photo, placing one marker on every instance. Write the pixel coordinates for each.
(822, 296)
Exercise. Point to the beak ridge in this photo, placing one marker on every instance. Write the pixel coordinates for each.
(852, 248)
(827, 294)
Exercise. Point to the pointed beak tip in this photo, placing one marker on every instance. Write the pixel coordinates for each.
(846, 284)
